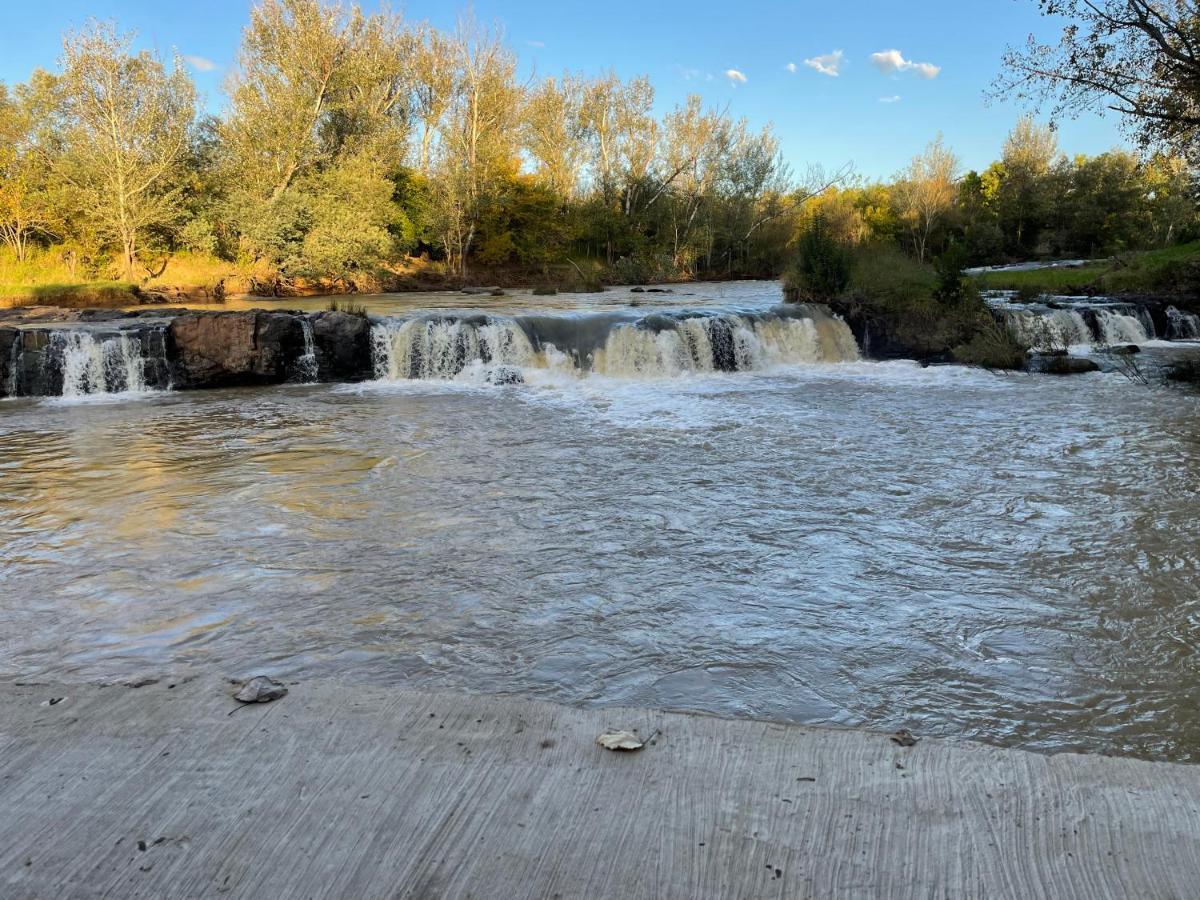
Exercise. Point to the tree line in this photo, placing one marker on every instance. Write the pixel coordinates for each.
(1034, 201)
(351, 143)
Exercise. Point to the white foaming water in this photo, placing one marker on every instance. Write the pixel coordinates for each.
(1121, 328)
(460, 349)
(443, 348)
(114, 365)
(1042, 330)
(306, 365)
(1184, 326)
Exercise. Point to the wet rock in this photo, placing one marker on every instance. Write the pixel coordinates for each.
(505, 375)
(227, 349)
(659, 291)
(260, 689)
(1061, 365)
(498, 292)
(9, 351)
(905, 738)
(544, 291)
(343, 343)
(638, 290)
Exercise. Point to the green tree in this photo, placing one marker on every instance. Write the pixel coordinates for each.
(126, 128)
(26, 209)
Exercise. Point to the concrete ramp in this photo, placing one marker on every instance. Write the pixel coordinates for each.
(340, 791)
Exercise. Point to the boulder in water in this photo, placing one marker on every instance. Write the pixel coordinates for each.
(1061, 365)
(343, 343)
(505, 375)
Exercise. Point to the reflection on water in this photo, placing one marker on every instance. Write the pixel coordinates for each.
(518, 301)
(1006, 558)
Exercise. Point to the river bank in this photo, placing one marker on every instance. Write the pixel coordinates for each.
(174, 790)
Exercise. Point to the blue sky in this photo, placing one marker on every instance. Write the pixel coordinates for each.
(876, 112)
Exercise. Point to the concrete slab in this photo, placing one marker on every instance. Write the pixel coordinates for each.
(340, 791)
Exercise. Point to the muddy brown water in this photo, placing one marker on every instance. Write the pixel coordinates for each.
(1005, 558)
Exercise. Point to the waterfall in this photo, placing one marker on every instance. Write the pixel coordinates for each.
(1043, 328)
(614, 344)
(442, 348)
(1121, 328)
(109, 366)
(1183, 326)
(306, 365)
(14, 365)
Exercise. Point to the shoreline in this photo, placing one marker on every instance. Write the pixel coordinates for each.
(340, 789)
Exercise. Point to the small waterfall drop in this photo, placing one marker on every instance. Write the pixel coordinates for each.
(1182, 326)
(617, 345)
(306, 365)
(1042, 329)
(441, 348)
(90, 366)
(14, 365)
(1119, 327)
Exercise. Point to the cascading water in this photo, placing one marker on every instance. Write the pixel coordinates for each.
(656, 345)
(90, 366)
(1118, 327)
(1046, 328)
(441, 348)
(1182, 326)
(306, 365)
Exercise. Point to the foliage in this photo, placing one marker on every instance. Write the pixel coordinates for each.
(1137, 57)
(991, 346)
(355, 144)
(823, 264)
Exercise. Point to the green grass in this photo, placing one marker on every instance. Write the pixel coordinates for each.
(93, 293)
(1170, 271)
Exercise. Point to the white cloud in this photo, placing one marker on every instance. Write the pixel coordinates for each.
(687, 74)
(891, 62)
(791, 67)
(830, 64)
(200, 63)
(895, 98)
(735, 77)
(538, 44)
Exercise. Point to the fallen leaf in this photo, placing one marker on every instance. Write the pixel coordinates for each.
(620, 740)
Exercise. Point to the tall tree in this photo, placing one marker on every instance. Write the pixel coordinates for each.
(1140, 58)
(126, 129)
(25, 188)
(926, 191)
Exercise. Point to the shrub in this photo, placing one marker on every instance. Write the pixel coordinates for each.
(823, 265)
(992, 346)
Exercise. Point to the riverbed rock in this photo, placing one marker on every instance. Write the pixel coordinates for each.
(343, 344)
(1061, 365)
(227, 349)
(260, 689)
(505, 375)
(8, 350)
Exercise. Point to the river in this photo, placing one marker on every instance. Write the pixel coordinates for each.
(1008, 558)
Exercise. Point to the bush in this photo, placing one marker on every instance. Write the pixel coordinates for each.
(992, 346)
(822, 268)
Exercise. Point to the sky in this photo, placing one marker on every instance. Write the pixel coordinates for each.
(868, 82)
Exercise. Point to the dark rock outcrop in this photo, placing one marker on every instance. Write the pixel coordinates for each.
(1061, 365)
(10, 350)
(218, 349)
(343, 343)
